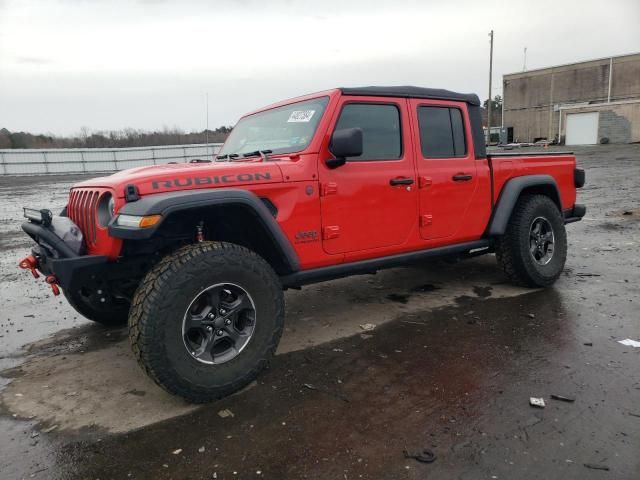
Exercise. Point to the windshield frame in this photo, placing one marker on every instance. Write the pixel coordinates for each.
(284, 106)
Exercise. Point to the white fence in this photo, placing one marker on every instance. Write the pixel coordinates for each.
(95, 160)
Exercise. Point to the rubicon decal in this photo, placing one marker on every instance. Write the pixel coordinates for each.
(213, 180)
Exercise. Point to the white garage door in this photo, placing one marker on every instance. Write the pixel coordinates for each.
(582, 128)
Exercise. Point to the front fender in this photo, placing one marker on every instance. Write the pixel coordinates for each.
(165, 204)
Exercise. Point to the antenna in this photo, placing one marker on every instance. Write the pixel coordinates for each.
(524, 65)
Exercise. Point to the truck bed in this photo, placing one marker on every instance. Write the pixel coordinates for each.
(559, 165)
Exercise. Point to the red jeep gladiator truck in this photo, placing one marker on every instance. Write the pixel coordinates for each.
(347, 181)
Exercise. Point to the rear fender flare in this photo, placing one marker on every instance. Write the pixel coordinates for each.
(511, 191)
(166, 204)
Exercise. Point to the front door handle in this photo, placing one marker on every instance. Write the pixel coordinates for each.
(400, 181)
(462, 177)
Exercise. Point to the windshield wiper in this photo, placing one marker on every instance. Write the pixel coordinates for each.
(229, 156)
(255, 153)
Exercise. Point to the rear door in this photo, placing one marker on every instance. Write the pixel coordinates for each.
(370, 202)
(446, 167)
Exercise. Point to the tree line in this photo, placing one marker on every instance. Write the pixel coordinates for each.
(128, 137)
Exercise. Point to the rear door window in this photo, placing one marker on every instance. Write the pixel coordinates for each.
(441, 132)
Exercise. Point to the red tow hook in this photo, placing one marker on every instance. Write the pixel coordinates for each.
(53, 281)
(30, 263)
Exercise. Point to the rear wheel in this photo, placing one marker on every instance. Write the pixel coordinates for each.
(206, 320)
(533, 250)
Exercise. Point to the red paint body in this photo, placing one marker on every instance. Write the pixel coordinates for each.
(355, 211)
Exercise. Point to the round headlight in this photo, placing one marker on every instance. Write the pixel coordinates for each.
(112, 206)
(106, 209)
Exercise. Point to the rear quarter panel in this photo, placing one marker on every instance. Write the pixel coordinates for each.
(560, 167)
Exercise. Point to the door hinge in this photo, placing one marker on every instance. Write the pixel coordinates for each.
(329, 188)
(329, 233)
(426, 220)
(424, 182)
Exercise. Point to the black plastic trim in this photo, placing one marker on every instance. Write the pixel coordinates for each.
(270, 206)
(477, 133)
(579, 210)
(315, 275)
(579, 177)
(412, 92)
(131, 193)
(509, 196)
(167, 203)
(575, 214)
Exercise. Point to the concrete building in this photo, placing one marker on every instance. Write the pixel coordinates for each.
(590, 102)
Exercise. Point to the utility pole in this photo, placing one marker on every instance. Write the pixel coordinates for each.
(524, 64)
(206, 132)
(490, 78)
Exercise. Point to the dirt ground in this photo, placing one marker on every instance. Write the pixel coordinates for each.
(452, 362)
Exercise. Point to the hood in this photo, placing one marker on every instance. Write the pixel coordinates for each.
(188, 176)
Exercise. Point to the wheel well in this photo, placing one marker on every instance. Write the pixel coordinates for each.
(513, 191)
(544, 189)
(233, 223)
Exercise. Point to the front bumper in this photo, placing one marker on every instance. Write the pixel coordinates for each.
(53, 258)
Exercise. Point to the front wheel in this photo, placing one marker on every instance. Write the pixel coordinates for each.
(206, 320)
(98, 307)
(533, 250)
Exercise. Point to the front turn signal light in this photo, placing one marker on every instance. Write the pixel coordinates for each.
(149, 221)
(136, 221)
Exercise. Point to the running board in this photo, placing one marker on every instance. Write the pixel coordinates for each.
(364, 267)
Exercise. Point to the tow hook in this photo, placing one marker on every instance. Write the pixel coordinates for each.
(30, 263)
(53, 281)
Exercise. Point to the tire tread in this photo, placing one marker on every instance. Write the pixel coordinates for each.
(161, 283)
(509, 246)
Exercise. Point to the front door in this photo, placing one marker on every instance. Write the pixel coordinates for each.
(370, 202)
(446, 167)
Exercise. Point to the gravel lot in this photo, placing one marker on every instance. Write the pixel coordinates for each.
(455, 356)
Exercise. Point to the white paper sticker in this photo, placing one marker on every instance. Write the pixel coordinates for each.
(301, 115)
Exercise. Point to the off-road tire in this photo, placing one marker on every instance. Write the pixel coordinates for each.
(160, 303)
(512, 248)
(111, 316)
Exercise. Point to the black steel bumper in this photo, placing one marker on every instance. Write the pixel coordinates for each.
(579, 177)
(54, 257)
(575, 214)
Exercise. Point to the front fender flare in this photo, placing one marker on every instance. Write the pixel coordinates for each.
(166, 204)
(509, 196)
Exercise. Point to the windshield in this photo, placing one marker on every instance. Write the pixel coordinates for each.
(286, 129)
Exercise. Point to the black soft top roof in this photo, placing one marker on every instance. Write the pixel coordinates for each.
(413, 92)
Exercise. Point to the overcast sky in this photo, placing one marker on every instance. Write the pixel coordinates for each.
(65, 64)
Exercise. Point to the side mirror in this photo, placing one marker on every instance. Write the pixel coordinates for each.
(346, 142)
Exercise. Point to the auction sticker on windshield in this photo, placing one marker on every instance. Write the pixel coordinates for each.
(301, 115)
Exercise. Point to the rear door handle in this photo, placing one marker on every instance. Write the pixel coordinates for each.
(462, 177)
(400, 181)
